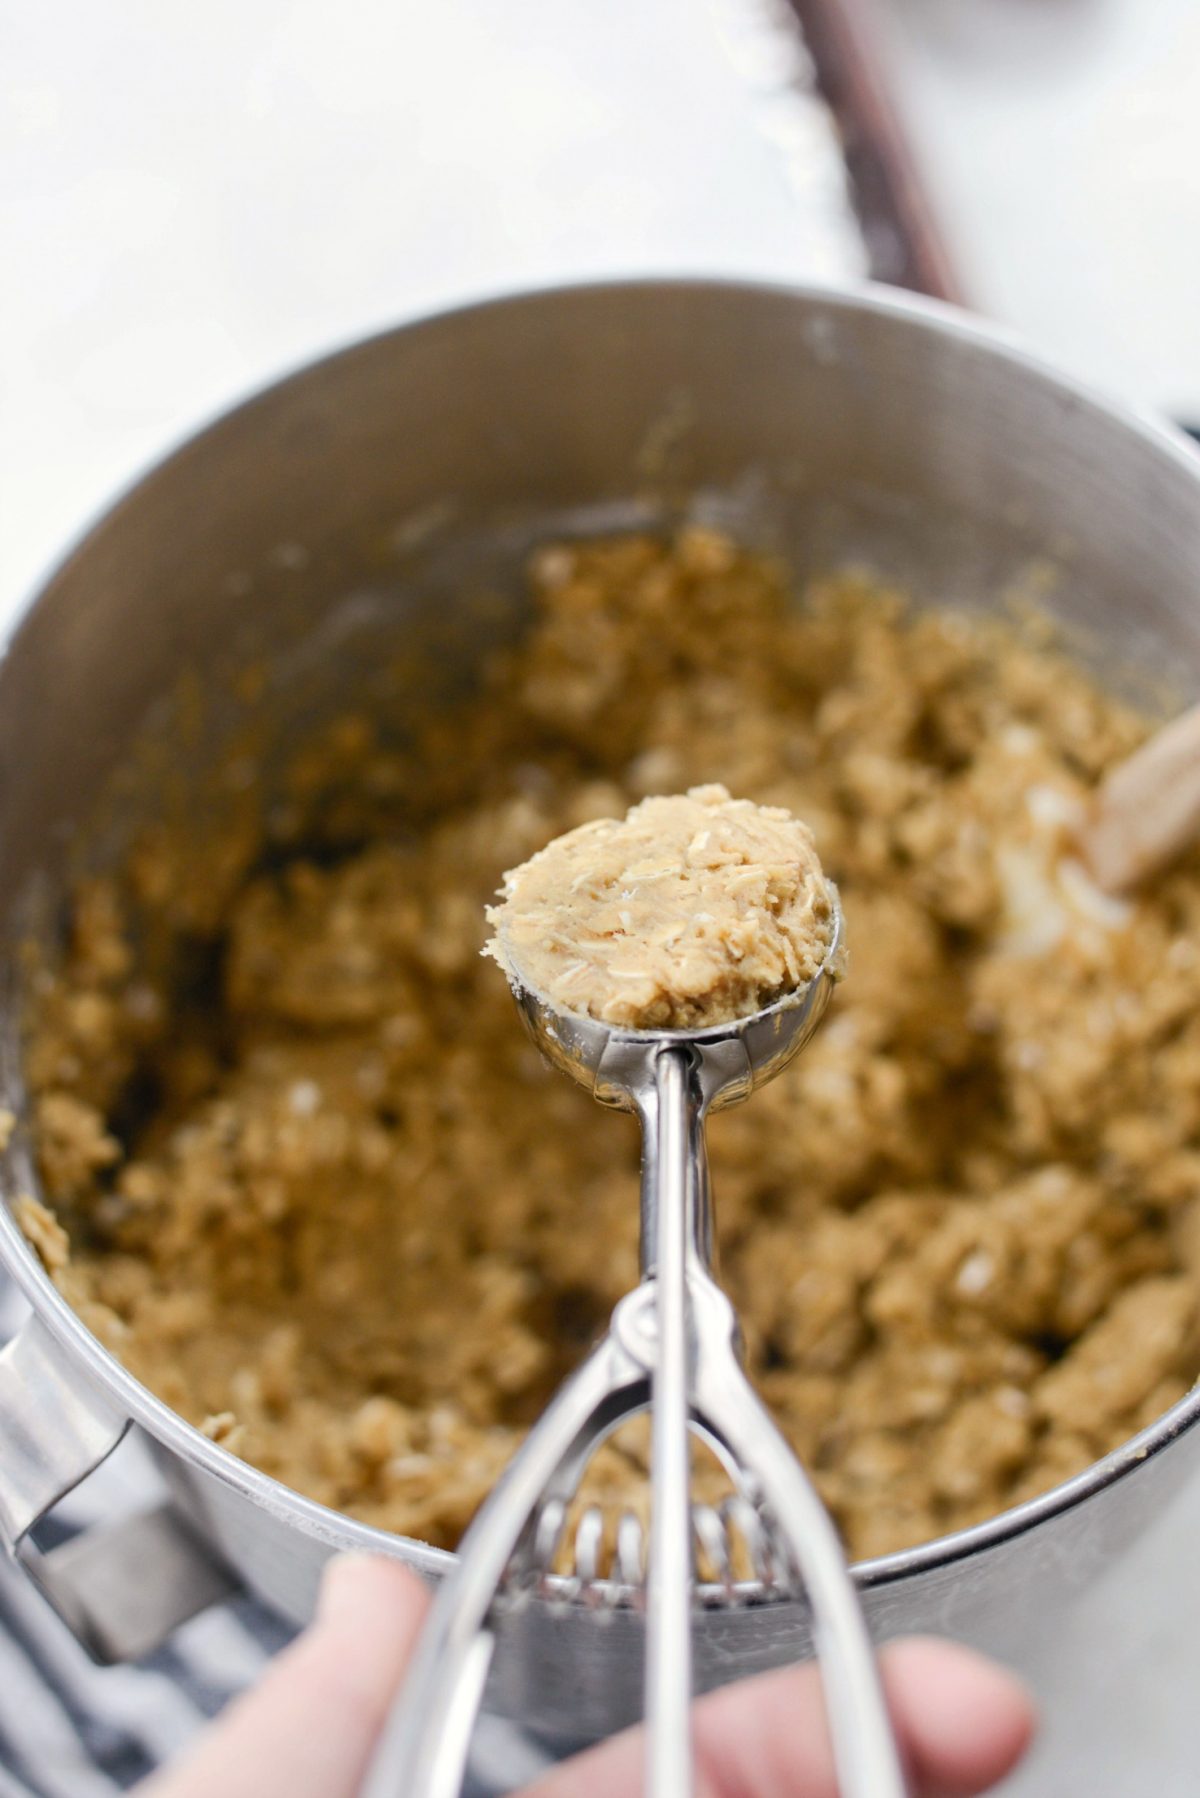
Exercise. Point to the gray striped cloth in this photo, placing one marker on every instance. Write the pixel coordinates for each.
(71, 1729)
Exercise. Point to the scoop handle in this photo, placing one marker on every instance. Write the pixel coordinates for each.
(866, 1752)
(669, 1760)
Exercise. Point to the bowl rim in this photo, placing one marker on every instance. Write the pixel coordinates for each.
(101, 1369)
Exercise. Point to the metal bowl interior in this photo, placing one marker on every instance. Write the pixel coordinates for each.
(390, 495)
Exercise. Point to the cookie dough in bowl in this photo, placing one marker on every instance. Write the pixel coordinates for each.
(693, 910)
(310, 1184)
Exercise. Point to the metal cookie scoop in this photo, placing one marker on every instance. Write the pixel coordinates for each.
(672, 1346)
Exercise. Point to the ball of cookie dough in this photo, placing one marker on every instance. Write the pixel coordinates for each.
(692, 910)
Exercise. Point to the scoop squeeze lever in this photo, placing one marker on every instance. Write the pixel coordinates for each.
(672, 1347)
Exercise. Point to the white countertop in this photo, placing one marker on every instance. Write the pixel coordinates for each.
(194, 201)
(1059, 141)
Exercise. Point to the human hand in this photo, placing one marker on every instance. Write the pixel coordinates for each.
(308, 1729)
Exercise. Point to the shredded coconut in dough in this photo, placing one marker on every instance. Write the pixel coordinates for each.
(692, 910)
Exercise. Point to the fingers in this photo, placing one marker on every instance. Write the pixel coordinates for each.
(963, 1723)
(966, 1721)
(307, 1730)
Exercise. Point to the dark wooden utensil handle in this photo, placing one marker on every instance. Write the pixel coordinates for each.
(904, 244)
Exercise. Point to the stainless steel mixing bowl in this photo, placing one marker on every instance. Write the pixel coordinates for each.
(348, 509)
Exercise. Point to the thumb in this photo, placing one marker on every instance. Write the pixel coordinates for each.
(308, 1728)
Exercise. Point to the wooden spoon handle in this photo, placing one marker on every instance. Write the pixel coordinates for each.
(1147, 810)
